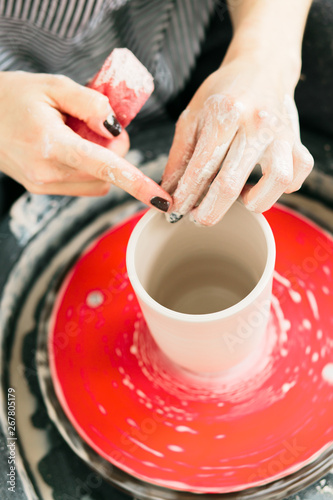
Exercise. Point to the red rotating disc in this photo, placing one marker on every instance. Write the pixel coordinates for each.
(245, 428)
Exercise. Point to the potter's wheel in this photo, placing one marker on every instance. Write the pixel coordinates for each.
(152, 431)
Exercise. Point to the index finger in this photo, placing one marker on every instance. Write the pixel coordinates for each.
(107, 166)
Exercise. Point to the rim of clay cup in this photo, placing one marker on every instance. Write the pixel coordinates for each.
(198, 318)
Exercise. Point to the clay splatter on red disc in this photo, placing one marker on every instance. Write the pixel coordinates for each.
(247, 427)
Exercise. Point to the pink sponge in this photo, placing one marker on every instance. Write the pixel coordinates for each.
(126, 83)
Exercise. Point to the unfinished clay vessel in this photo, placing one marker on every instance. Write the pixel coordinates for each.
(205, 292)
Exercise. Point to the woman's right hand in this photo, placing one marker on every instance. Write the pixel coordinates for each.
(42, 153)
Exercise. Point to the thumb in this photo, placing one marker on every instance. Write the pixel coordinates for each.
(83, 103)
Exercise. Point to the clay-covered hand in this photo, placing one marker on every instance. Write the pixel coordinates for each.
(39, 151)
(239, 117)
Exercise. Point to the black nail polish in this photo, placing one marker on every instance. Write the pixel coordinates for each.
(112, 125)
(173, 217)
(160, 203)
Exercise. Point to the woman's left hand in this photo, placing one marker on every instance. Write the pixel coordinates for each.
(240, 116)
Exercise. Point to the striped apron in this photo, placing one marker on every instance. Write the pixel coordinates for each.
(74, 37)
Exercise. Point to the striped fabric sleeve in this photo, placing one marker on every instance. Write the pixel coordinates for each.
(72, 37)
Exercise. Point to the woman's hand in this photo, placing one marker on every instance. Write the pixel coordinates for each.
(242, 115)
(39, 151)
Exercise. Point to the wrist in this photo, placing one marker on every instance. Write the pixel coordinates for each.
(280, 61)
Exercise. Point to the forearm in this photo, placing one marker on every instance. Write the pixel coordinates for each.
(269, 32)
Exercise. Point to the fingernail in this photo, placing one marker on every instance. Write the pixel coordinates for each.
(160, 203)
(112, 125)
(173, 217)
